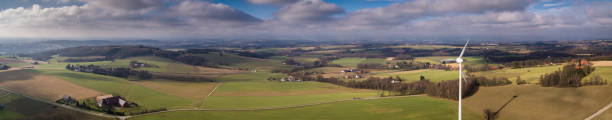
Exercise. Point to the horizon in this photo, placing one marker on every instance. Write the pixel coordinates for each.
(314, 20)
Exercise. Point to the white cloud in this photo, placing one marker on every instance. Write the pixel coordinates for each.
(309, 19)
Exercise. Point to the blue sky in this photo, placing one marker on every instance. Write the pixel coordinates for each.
(306, 19)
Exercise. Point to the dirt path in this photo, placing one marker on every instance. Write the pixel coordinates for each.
(599, 112)
(204, 99)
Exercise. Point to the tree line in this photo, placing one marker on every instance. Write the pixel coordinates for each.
(117, 72)
(4, 67)
(444, 89)
(569, 76)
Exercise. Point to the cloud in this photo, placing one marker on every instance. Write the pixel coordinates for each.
(126, 5)
(274, 2)
(400, 12)
(310, 19)
(204, 11)
(309, 11)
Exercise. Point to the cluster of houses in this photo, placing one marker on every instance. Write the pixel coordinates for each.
(357, 74)
(290, 79)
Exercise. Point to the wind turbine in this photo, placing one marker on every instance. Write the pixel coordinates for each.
(459, 60)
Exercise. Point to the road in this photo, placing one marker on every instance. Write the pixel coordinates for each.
(599, 112)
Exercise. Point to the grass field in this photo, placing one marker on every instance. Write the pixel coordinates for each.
(190, 90)
(541, 103)
(21, 108)
(250, 90)
(531, 75)
(146, 97)
(414, 75)
(49, 88)
(601, 63)
(604, 72)
(352, 61)
(409, 108)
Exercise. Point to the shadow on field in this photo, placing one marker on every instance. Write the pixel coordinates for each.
(490, 115)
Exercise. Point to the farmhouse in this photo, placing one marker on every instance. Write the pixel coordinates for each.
(110, 100)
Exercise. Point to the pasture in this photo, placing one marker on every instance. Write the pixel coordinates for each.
(146, 97)
(406, 108)
(353, 61)
(601, 63)
(17, 107)
(253, 90)
(431, 74)
(541, 103)
(531, 74)
(49, 88)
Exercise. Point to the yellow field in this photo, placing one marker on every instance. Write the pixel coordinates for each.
(49, 88)
(602, 63)
(541, 103)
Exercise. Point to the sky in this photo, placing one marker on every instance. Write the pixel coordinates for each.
(495, 20)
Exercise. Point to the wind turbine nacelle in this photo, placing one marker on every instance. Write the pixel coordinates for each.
(459, 60)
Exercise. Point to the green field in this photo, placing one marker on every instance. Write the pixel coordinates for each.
(408, 108)
(146, 97)
(604, 72)
(431, 74)
(17, 107)
(253, 90)
(352, 62)
(541, 103)
(531, 75)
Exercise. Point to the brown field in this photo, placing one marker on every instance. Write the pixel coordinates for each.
(9, 61)
(602, 63)
(541, 103)
(607, 115)
(193, 90)
(49, 88)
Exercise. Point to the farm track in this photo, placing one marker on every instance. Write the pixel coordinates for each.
(204, 99)
(599, 112)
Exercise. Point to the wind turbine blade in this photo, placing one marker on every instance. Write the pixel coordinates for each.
(463, 50)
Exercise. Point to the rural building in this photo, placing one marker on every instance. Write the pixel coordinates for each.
(114, 101)
(67, 100)
(290, 79)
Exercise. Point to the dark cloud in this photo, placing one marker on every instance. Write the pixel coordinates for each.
(309, 11)
(129, 5)
(205, 11)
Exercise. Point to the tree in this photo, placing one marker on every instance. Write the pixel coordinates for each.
(519, 81)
